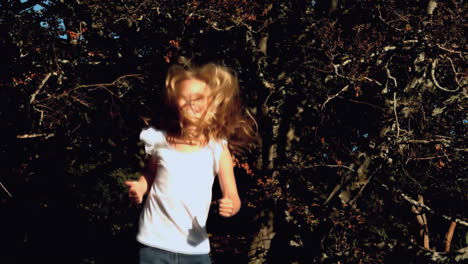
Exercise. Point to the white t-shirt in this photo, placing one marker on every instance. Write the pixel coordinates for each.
(174, 215)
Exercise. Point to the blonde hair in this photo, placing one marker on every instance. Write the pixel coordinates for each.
(224, 118)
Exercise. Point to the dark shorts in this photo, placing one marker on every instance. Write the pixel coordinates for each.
(150, 255)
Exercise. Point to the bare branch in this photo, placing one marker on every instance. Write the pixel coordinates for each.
(330, 166)
(434, 64)
(451, 51)
(103, 85)
(33, 96)
(337, 94)
(46, 136)
(461, 149)
(389, 75)
(353, 201)
(422, 221)
(449, 236)
(425, 207)
(396, 115)
(445, 142)
(430, 158)
(454, 71)
(5, 189)
(372, 80)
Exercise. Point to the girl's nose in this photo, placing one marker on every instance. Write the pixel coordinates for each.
(195, 107)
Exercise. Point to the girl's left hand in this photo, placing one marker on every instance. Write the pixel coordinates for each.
(226, 207)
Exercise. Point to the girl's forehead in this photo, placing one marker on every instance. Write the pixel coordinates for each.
(192, 87)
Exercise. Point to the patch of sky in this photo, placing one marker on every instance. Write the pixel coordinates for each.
(452, 132)
(465, 121)
(354, 148)
(114, 35)
(365, 135)
(38, 8)
(62, 28)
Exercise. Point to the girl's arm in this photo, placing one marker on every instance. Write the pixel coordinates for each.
(230, 204)
(138, 189)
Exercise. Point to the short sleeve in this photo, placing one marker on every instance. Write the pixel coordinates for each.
(151, 138)
(218, 149)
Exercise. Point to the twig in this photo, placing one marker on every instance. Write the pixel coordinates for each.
(396, 115)
(434, 64)
(454, 71)
(253, 119)
(443, 141)
(461, 149)
(339, 185)
(46, 136)
(5, 189)
(445, 154)
(33, 96)
(430, 158)
(81, 101)
(372, 80)
(449, 50)
(413, 179)
(267, 98)
(103, 85)
(335, 95)
(364, 186)
(389, 75)
(365, 103)
(330, 166)
(318, 69)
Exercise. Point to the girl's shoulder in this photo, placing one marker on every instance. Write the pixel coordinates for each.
(218, 145)
(151, 137)
(219, 142)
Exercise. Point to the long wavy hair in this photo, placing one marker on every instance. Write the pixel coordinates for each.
(225, 118)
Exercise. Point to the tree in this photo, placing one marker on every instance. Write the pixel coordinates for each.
(359, 106)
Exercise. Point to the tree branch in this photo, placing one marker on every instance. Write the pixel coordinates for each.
(396, 114)
(5, 189)
(449, 50)
(46, 136)
(434, 64)
(330, 166)
(449, 236)
(337, 94)
(33, 96)
(425, 207)
(422, 220)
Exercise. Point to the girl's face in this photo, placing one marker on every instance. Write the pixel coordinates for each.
(193, 98)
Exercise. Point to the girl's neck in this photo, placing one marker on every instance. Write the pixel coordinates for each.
(187, 142)
(191, 135)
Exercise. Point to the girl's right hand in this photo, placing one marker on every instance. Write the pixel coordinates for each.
(136, 191)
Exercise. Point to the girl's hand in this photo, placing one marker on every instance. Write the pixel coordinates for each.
(226, 207)
(136, 191)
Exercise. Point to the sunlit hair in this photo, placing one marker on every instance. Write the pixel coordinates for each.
(225, 117)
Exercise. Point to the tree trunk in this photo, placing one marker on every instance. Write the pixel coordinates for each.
(262, 240)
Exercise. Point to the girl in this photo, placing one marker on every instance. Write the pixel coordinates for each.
(184, 161)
